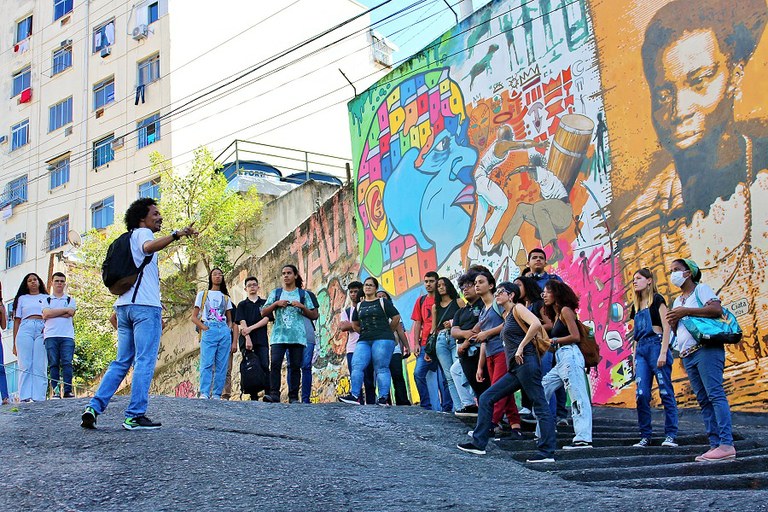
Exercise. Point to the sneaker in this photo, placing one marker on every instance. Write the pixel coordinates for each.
(515, 434)
(469, 411)
(562, 422)
(294, 401)
(55, 397)
(524, 410)
(349, 398)
(577, 445)
(528, 418)
(700, 458)
(721, 453)
(140, 423)
(470, 448)
(643, 443)
(383, 401)
(539, 457)
(89, 418)
(69, 395)
(670, 442)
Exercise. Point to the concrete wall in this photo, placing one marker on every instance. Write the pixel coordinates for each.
(633, 163)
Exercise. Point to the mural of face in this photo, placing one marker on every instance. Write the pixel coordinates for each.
(480, 125)
(691, 98)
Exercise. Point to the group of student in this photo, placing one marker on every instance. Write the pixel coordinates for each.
(43, 339)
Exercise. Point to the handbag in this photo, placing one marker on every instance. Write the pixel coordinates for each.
(713, 331)
(541, 341)
(431, 347)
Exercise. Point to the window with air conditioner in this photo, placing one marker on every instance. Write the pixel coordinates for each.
(149, 70)
(60, 114)
(62, 59)
(22, 81)
(102, 151)
(20, 134)
(57, 233)
(150, 188)
(148, 130)
(59, 174)
(103, 93)
(23, 29)
(104, 36)
(103, 213)
(61, 8)
(14, 250)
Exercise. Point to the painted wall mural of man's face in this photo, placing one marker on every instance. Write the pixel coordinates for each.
(691, 99)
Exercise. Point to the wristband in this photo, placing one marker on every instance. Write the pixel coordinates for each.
(176, 235)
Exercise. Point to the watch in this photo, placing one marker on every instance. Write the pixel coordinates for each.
(175, 235)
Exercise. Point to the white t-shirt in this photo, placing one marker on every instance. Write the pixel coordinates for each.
(149, 289)
(352, 336)
(29, 305)
(488, 162)
(683, 339)
(59, 327)
(550, 185)
(215, 309)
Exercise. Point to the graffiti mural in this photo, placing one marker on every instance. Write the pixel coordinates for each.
(614, 135)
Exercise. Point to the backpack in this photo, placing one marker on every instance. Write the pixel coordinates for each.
(588, 345)
(118, 272)
(253, 378)
(202, 305)
(541, 341)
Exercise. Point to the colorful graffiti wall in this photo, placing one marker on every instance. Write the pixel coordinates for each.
(615, 135)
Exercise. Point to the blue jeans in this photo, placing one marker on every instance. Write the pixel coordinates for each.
(32, 359)
(705, 371)
(463, 387)
(527, 377)
(215, 346)
(556, 403)
(368, 381)
(380, 351)
(60, 353)
(3, 382)
(306, 372)
(646, 356)
(569, 373)
(431, 386)
(447, 354)
(138, 339)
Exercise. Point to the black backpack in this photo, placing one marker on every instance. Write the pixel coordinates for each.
(252, 376)
(119, 272)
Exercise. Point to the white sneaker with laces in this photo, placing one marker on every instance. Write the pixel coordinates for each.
(670, 442)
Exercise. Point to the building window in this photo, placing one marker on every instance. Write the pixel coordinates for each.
(149, 70)
(60, 114)
(61, 7)
(150, 188)
(103, 213)
(62, 59)
(57, 233)
(9, 323)
(153, 12)
(103, 93)
(22, 81)
(20, 134)
(14, 250)
(15, 192)
(60, 173)
(103, 35)
(24, 29)
(102, 151)
(149, 130)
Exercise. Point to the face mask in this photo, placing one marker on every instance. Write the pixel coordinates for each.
(678, 278)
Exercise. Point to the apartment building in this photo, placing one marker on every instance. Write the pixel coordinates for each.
(90, 88)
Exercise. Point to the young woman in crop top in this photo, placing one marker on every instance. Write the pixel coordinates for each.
(28, 344)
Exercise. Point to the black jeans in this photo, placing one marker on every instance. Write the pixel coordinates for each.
(469, 365)
(262, 354)
(295, 357)
(398, 380)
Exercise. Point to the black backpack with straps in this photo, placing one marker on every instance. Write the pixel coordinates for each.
(118, 272)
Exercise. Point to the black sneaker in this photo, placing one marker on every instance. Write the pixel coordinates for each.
(140, 423)
(294, 401)
(349, 398)
(562, 422)
(470, 448)
(69, 395)
(271, 399)
(89, 418)
(528, 418)
(577, 445)
(539, 457)
(383, 401)
(515, 434)
(469, 411)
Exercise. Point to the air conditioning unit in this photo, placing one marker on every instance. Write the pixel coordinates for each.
(140, 32)
(106, 51)
(3, 139)
(67, 131)
(66, 42)
(118, 143)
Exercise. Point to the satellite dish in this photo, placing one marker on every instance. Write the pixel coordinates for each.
(73, 237)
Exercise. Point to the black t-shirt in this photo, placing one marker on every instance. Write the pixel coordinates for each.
(445, 313)
(512, 334)
(374, 322)
(658, 300)
(560, 329)
(251, 312)
(466, 318)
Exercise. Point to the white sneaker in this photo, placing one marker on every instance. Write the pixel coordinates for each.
(524, 410)
(670, 442)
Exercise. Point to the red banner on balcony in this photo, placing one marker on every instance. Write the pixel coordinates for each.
(26, 96)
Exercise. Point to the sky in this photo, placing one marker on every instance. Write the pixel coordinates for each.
(416, 28)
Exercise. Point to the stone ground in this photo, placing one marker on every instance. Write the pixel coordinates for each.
(213, 455)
